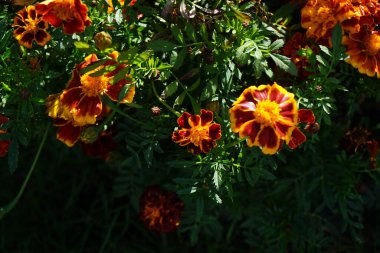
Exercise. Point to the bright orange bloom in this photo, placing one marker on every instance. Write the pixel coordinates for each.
(197, 132)
(82, 96)
(4, 144)
(267, 116)
(320, 16)
(160, 210)
(363, 49)
(29, 27)
(71, 14)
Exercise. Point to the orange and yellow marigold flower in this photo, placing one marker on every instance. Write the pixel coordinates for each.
(71, 14)
(268, 116)
(197, 132)
(320, 16)
(363, 49)
(82, 96)
(160, 210)
(30, 26)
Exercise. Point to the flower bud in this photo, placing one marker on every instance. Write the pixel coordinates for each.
(89, 135)
(102, 40)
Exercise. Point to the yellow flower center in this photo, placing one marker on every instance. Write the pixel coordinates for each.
(267, 112)
(198, 134)
(372, 44)
(94, 85)
(31, 25)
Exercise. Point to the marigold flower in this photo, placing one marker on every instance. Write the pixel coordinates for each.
(363, 49)
(291, 48)
(197, 132)
(320, 16)
(122, 2)
(71, 14)
(82, 96)
(160, 210)
(267, 116)
(29, 27)
(4, 144)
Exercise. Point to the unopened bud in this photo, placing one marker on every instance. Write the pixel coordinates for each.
(312, 127)
(89, 135)
(156, 110)
(102, 40)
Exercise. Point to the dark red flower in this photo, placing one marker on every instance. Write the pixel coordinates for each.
(160, 210)
(4, 144)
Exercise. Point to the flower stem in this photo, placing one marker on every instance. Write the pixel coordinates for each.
(6, 209)
(163, 102)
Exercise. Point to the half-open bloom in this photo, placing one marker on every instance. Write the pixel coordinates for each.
(71, 14)
(160, 210)
(197, 132)
(82, 96)
(4, 144)
(363, 49)
(267, 116)
(30, 26)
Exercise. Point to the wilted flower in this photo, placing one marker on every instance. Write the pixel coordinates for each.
(363, 49)
(160, 210)
(267, 116)
(82, 96)
(30, 26)
(4, 144)
(197, 132)
(71, 14)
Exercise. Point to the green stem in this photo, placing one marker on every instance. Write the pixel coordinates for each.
(163, 102)
(13, 203)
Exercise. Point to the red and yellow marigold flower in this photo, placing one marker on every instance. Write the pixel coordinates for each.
(82, 96)
(69, 130)
(320, 16)
(30, 26)
(267, 116)
(197, 132)
(160, 210)
(71, 14)
(4, 144)
(363, 49)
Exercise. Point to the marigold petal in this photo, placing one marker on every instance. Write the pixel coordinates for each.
(87, 110)
(71, 97)
(68, 134)
(194, 149)
(279, 94)
(53, 105)
(26, 39)
(3, 119)
(215, 131)
(269, 140)
(207, 145)
(181, 137)
(206, 117)
(296, 139)
(250, 129)
(17, 33)
(239, 117)
(194, 120)
(114, 90)
(261, 92)
(4, 145)
(283, 130)
(42, 37)
(306, 115)
(183, 120)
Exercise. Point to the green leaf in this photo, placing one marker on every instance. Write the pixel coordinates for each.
(284, 63)
(119, 16)
(177, 33)
(123, 92)
(121, 74)
(180, 98)
(190, 32)
(162, 45)
(171, 88)
(336, 37)
(81, 45)
(277, 44)
(92, 66)
(180, 58)
(217, 178)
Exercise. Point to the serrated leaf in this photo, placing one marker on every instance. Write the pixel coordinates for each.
(119, 16)
(284, 63)
(277, 44)
(325, 50)
(162, 45)
(217, 178)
